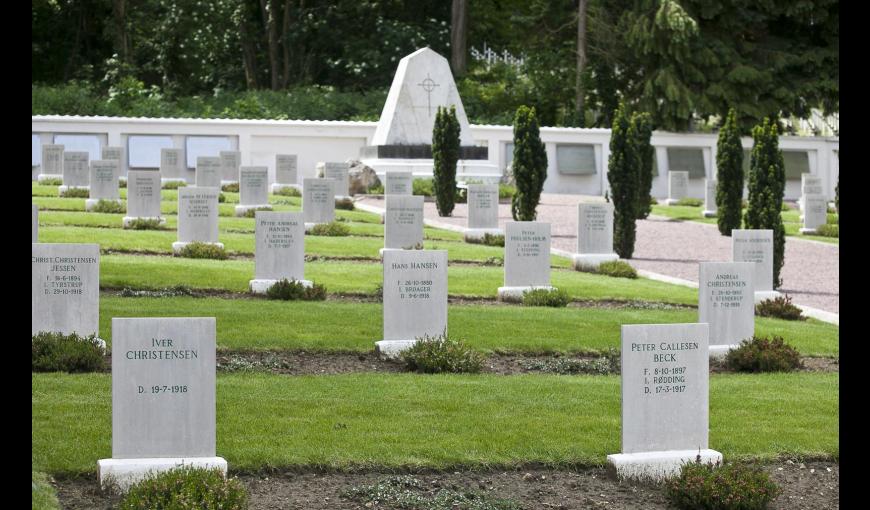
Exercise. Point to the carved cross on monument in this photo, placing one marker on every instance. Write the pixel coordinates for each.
(428, 85)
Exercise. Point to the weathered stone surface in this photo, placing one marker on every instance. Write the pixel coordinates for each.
(52, 160)
(172, 164)
(527, 254)
(399, 183)
(208, 172)
(286, 170)
(254, 185)
(143, 194)
(678, 186)
(65, 288)
(815, 212)
(483, 206)
(415, 293)
(280, 246)
(756, 246)
(318, 200)
(113, 152)
(76, 172)
(104, 178)
(403, 222)
(338, 172)
(230, 163)
(726, 302)
(198, 214)
(361, 178)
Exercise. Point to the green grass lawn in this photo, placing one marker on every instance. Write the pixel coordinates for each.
(348, 326)
(375, 420)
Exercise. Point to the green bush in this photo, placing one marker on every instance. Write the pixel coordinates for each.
(690, 202)
(292, 290)
(489, 240)
(445, 154)
(332, 229)
(145, 224)
(252, 213)
(108, 206)
(617, 268)
(76, 193)
(42, 494)
(828, 230)
(56, 352)
(232, 187)
(187, 487)
(423, 187)
(729, 175)
(761, 354)
(288, 192)
(506, 191)
(221, 198)
(529, 166)
(546, 297)
(780, 308)
(439, 354)
(199, 250)
(345, 204)
(174, 184)
(727, 487)
(376, 190)
(52, 181)
(623, 176)
(410, 493)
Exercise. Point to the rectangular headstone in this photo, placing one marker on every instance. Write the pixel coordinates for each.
(208, 172)
(75, 169)
(104, 179)
(482, 206)
(34, 231)
(143, 194)
(527, 254)
(285, 168)
(112, 152)
(678, 185)
(340, 172)
(815, 211)
(399, 183)
(65, 288)
(756, 246)
(172, 164)
(52, 159)
(280, 248)
(253, 185)
(403, 222)
(318, 200)
(710, 195)
(595, 228)
(198, 214)
(811, 185)
(726, 301)
(665, 387)
(163, 387)
(230, 162)
(415, 293)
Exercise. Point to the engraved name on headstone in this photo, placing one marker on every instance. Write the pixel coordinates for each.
(318, 200)
(65, 288)
(403, 222)
(726, 302)
(399, 183)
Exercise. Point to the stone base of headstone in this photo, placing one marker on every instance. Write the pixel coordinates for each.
(809, 231)
(392, 348)
(591, 260)
(130, 219)
(261, 286)
(670, 201)
(276, 187)
(761, 295)
(178, 246)
(655, 466)
(120, 474)
(477, 234)
(709, 214)
(40, 178)
(516, 293)
(90, 203)
(63, 189)
(720, 351)
(167, 180)
(241, 210)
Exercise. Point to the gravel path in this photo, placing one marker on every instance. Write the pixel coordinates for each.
(811, 274)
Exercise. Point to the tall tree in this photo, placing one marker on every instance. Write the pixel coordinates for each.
(459, 37)
(622, 174)
(729, 175)
(580, 95)
(269, 10)
(122, 45)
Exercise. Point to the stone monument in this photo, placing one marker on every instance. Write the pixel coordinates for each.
(230, 163)
(52, 163)
(286, 175)
(318, 201)
(197, 217)
(76, 171)
(253, 189)
(710, 208)
(726, 302)
(143, 197)
(526, 259)
(279, 249)
(172, 166)
(594, 235)
(104, 178)
(482, 202)
(756, 246)
(678, 187)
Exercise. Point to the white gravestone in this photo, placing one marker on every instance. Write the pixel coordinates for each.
(415, 298)
(280, 249)
(340, 173)
(665, 401)
(726, 302)
(318, 201)
(115, 153)
(65, 288)
(208, 172)
(286, 172)
(34, 231)
(104, 179)
(197, 217)
(756, 246)
(143, 197)
(678, 187)
(76, 171)
(810, 185)
(230, 163)
(710, 208)
(399, 183)
(253, 189)
(163, 398)
(526, 259)
(594, 235)
(172, 165)
(482, 202)
(52, 162)
(403, 223)
(815, 213)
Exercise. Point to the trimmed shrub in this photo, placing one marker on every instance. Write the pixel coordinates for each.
(727, 487)
(199, 250)
(423, 187)
(828, 230)
(145, 224)
(53, 181)
(186, 487)
(690, 202)
(108, 206)
(232, 187)
(288, 192)
(440, 354)
(645, 153)
(56, 352)
(529, 166)
(622, 174)
(546, 297)
(332, 229)
(173, 185)
(292, 290)
(345, 204)
(76, 193)
(445, 154)
(489, 240)
(779, 307)
(617, 268)
(761, 354)
(729, 175)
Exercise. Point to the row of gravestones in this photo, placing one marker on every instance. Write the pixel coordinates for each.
(813, 204)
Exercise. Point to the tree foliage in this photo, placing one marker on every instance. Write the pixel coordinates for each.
(445, 154)
(623, 176)
(642, 128)
(729, 176)
(529, 165)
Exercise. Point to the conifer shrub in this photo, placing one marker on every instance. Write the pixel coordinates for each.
(529, 165)
(445, 155)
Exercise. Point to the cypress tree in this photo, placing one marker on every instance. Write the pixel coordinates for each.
(766, 190)
(642, 123)
(529, 165)
(622, 174)
(445, 154)
(729, 175)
